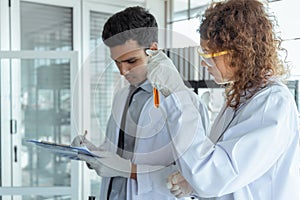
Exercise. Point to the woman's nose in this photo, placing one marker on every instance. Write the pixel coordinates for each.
(204, 64)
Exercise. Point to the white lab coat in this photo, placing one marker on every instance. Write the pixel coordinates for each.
(153, 145)
(256, 157)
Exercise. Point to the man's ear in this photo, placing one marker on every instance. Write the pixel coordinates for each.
(154, 46)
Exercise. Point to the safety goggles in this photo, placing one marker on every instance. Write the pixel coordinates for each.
(208, 57)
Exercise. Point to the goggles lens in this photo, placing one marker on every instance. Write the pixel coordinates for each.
(208, 57)
(209, 61)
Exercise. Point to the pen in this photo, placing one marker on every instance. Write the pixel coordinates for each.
(156, 97)
(83, 138)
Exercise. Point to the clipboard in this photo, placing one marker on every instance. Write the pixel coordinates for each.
(63, 149)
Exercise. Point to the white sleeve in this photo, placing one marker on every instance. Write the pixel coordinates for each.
(195, 128)
(186, 126)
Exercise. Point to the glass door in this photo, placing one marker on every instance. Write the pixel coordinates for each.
(39, 97)
(40, 101)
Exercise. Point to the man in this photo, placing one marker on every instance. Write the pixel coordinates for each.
(138, 153)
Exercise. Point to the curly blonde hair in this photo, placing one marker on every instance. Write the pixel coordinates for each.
(244, 28)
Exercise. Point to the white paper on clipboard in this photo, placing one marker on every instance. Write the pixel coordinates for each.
(63, 150)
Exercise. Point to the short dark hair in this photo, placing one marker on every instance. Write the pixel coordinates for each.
(134, 23)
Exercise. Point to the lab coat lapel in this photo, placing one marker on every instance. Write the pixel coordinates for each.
(221, 123)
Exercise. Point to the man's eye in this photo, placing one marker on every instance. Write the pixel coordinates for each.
(131, 61)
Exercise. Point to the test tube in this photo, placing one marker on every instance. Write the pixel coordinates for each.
(156, 97)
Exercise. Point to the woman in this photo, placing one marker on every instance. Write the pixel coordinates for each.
(252, 149)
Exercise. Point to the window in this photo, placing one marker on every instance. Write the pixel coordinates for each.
(184, 22)
(287, 14)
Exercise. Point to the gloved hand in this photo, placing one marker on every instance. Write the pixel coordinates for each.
(108, 164)
(80, 141)
(162, 73)
(178, 186)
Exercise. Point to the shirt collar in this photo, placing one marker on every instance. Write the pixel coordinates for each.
(146, 86)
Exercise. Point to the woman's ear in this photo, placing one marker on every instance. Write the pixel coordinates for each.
(154, 46)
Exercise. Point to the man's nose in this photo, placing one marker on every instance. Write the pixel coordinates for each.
(123, 68)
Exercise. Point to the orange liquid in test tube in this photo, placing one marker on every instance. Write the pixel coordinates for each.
(156, 97)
